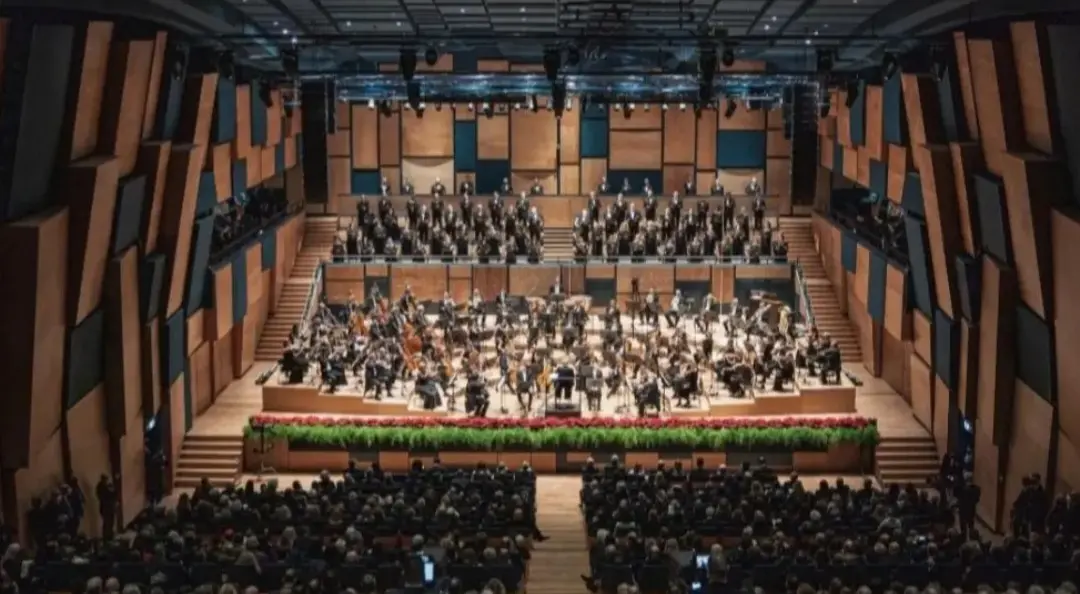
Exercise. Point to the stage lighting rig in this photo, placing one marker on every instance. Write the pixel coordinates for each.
(431, 56)
(826, 59)
(227, 65)
(552, 64)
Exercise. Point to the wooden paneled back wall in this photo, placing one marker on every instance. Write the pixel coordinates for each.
(567, 156)
(986, 331)
(104, 268)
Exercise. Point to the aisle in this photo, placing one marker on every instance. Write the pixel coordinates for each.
(558, 562)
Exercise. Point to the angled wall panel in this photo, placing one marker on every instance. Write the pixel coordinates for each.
(1065, 232)
(993, 217)
(897, 314)
(124, 104)
(874, 122)
(1001, 126)
(1034, 73)
(923, 109)
(88, 446)
(967, 86)
(153, 162)
(900, 165)
(151, 281)
(223, 126)
(922, 278)
(966, 160)
(259, 115)
(130, 200)
(91, 62)
(997, 323)
(680, 132)
(203, 233)
(390, 138)
(1035, 353)
(155, 85)
(570, 138)
(706, 140)
(242, 142)
(857, 116)
(122, 345)
(875, 288)
(219, 162)
(534, 140)
(91, 187)
(85, 358)
(429, 136)
(1033, 183)
(939, 203)
(1029, 448)
(178, 218)
(33, 314)
(946, 348)
(895, 127)
(969, 285)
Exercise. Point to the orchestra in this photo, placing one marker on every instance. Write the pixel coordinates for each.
(538, 351)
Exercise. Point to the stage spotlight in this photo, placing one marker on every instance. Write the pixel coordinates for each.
(227, 65)
(488, 111)
(472, 106)
(407, 63)
(371, 104)
(646, 107)
(431, 56)
(889, 66)
(728, 57)
(551, 64)
(533, 103)
(663, 107)
(682, 107)
(729, 109)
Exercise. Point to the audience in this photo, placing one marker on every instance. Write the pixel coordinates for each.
(880, 222)
(721, 528)
(242, 216)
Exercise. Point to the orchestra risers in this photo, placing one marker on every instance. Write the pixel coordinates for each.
(558, 243)
(832, 321)
(902, 460)
(319, 234)
(215, 457)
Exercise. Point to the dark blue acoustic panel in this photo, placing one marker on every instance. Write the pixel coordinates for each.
(224, 122)
(740, 149)
(849, 250)
(969, 286)
(279, 155)
(838, 159)
(912, 199)
(952, 116)
(239, 177)
(636, 178)
(892, 108)
(993, 216)
(490, 174)
(269, 247)
(922, 283)
(174, 347)
(464, 145)
(466, 62)
(602, 290)
(946, 349)
(299, 148)
(239, 286)
(594, 137)
(127, 222)
(875, 295)
(202, 237)
(258, 115)
(32, 104)
(783, 288)
(879, 178)
(366, 182)
(857, 114)
(172, 92)
(85, 362)
(151, 279)
(206, 198)
(1035, 364)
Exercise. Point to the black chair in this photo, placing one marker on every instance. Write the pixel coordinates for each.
(613, 576)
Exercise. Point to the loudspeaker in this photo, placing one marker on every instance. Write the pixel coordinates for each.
(331, 106)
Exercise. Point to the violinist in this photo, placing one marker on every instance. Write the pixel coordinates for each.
(759, 212)
(476, 394)
(523, 387)
(674, 309)
(476, 308)
(651, 312)
(407, 302)
(626, 189)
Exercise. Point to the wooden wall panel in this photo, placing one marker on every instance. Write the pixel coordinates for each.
(942, 428)
(150, 364)
(706, 140)
(1068, 466)
(861, 289)
(534, 140)
(827, 152)
(429, 136)
(132, 472)
(32, 313)
(922, 395)
(88, 447)
(344, 282)
(723, 283)
(1065, 236)
(489, 280)
(44, 472)
(197, 109)
(153, 162)
(593, 171)
(123, 343)
(897, 315)
(987, 475)
(742, 119)
(899, 166)
(91, 187)
(201, 378)
(423, 172)
(124, 101)
(390, 138)
(939, 204)
(365, 137)
(661, 278)
(967, 87)
(428, 282)
(1033, 182)
(532, 281)
(923, 108)
(639, 119)
(997, 321)
(968, 384)
(273, 119)
(548, 180)
(862, 164)
(243, 344)
(843, 120)
(966, 161)
(701, 273)
(86, 111)
(875, 122)
(338, 143)
(178, 216)
(1029, 446)
(735, 180)
(1032, 70)
(778, 183)
(922, 335)
(242, 143)
(570, 179)
(219, 319)
(392, 175)
(676, 176)
(778, 144)
(993, 73)
(253, 268)
(895, 360)
(493, 137)
(339, 176)
(153, 89)
(222, 351)
(219, 162)
(570, 137)
(680, 132)
(851, 164)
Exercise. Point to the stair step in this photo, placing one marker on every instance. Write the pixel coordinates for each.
(231, 454)
(230, 464)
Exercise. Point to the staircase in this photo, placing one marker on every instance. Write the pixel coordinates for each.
(902, 460)
(827, 314)
(214, 457)
(558, 243)
(556, 564)
(319, 233)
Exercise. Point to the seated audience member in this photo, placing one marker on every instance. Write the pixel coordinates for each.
(239, 218)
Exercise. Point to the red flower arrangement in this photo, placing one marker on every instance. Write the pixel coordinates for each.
(539, 424)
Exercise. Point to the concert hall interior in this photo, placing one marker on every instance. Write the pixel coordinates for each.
(511, 243)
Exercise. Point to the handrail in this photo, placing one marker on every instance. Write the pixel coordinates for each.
(806, 307)
(244, 240)
(311, 304)
(522, 260)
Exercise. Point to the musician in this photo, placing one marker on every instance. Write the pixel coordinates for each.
(717, 188)
(753, 188)
(476, 308)
(707, 314)
(672, 314)
(647, 188)
(684, 383)
(603, 187)
(408, 188)
(759, 212)
(729, 212)
(647, 394)
(407, 302)
(437, 188)
(555, 290)
(563, 381)
(476, 394)
(592, 381)
(651, 313)
(384, 187)
(524, 388)
(428, 387)
(466, 188)
(537, 189)
(689, 187)
(447, 308)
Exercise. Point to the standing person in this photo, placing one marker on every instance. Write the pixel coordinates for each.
(107, 501)
(968, 495)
